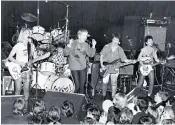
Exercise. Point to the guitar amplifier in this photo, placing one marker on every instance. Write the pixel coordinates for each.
(127, 70)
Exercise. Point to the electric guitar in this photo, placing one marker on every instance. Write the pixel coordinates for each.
(147, 68)
(113, 67)
(16, 70)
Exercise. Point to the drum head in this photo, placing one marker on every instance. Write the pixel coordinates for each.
(63, 85)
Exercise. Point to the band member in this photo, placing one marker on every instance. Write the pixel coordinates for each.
(110, 53)
(15, 65)
(77, 50)
(150, 53)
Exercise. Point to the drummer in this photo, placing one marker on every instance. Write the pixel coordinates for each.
(77, 51)
(57, 57)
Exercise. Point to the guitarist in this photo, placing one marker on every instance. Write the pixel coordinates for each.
(150, 53)
(110, 53)
(22, 52)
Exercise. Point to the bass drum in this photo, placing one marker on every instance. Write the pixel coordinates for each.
(51, 79)
(63, 85)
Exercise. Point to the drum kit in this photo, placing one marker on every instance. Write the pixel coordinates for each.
(44, 76)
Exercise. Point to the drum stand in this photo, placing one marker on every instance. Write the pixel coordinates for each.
(36, 85)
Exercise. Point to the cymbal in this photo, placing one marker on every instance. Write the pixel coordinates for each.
(29, 17)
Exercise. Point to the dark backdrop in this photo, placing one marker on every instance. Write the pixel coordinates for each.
(98, 17)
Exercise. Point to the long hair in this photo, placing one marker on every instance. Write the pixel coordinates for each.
(21, 36)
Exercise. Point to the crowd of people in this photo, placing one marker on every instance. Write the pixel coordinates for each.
(139, 110)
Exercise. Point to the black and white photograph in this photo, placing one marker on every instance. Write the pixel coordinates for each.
(87, 62)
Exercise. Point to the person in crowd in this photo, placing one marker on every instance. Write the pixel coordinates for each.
(167, 114)
(38, 114)
(120, 100)
(77, 52)
(54, 116)
(141, 108)
(153, 112)
(18, 116)
(147, 56)
(88, 121)
(105, 106)
(126, 116)
(146, 120)
(94, 112)
(26, 54)
(67, 111)
(110, 53)
(113, 115)
(168, 122)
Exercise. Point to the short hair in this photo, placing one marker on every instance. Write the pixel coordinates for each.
(113, 115)
(120, 100)
(148, 37)
(54, 114)
(116, 35)
(88, 120)
(18, 106)
(126, 116)
(164, 95)
(67, 109)
(85, 107)
(142, 104)
(39, 107)
(81, 31)
(146, 120)
(95, 112)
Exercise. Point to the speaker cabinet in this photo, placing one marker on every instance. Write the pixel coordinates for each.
(53, 98)
(132, 33)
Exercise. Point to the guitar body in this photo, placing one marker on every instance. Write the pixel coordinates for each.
(114, 68)
(146, 69)
(14, 69)
(110, 69)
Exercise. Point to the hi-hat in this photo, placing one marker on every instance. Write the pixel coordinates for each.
(29, 17)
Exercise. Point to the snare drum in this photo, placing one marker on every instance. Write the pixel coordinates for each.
(63, 85)
(47, 68)
(38, 33)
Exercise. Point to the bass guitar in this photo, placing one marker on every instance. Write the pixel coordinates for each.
(114, 67)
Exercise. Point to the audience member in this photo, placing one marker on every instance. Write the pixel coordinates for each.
(54, 115)
(120, 100)
(67, 111)
(126, 116)
(88, 121)
(141, 108)
(105, 106)
(113, 115)
(18, 116)
(38, 113)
